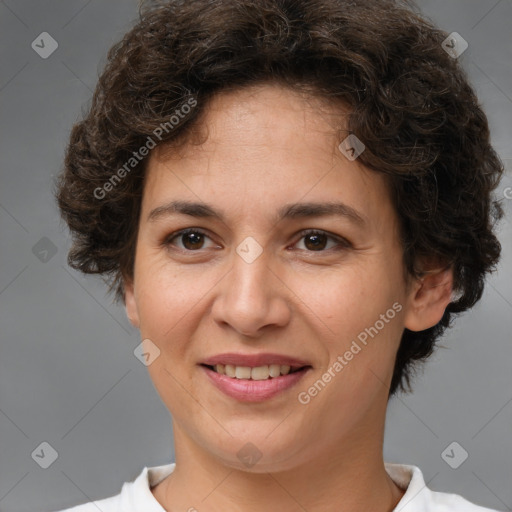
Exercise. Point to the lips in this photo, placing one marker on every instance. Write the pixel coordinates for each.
(254, 377)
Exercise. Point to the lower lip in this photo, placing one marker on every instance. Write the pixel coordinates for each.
(247, 390)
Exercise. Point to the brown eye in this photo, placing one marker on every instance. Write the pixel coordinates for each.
(315, 242)
(318, 241)
(192, 240)
(188, 239)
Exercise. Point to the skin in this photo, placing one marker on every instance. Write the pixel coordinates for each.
(268, 146)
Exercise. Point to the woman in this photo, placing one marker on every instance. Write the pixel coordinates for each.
(293, 199)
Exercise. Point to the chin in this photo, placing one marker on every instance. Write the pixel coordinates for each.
(259, 453)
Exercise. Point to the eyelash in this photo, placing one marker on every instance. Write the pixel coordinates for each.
(343, 244)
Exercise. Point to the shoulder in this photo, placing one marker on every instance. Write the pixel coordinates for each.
(419, 498)
(135, 495)
(446, 502)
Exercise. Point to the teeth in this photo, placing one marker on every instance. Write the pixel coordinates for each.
(256, 373)
(242, 372)
(260, 373)
(229, 369)
(274, 370)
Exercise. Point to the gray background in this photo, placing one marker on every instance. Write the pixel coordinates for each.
(68, 375)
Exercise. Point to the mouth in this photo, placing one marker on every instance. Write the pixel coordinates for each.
(254, 378)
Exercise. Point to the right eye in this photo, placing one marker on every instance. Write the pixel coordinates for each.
(192, 239)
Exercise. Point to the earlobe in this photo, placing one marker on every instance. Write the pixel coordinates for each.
(130, 304)
(428, 299)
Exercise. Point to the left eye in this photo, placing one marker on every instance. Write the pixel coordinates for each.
(191, 239)
(315, 240)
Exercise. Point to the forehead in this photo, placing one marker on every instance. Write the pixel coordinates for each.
(261, 146)
(258, 116)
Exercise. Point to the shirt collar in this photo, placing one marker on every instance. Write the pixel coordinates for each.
(410, 479)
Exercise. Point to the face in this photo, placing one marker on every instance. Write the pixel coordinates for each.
(257, 274)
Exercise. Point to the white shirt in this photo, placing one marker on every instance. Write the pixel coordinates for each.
(136, 496)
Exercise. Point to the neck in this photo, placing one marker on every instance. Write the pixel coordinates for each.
(351, 478)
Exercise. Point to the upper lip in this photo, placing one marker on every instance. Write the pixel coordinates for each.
(254, 360)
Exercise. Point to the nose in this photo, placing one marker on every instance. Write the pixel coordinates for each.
(252, 298)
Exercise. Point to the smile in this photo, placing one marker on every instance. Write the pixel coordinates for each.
(242, 385)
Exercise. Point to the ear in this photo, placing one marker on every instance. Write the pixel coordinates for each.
(130, 303)
(428, 298)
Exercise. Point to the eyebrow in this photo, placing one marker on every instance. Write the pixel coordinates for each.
(288, 211)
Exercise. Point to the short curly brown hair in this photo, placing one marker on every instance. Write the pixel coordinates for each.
(410, 102)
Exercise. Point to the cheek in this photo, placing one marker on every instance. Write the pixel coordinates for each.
(166, 297)
(169, 302)
(362, 312)
(345, 301)
(355, 313)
